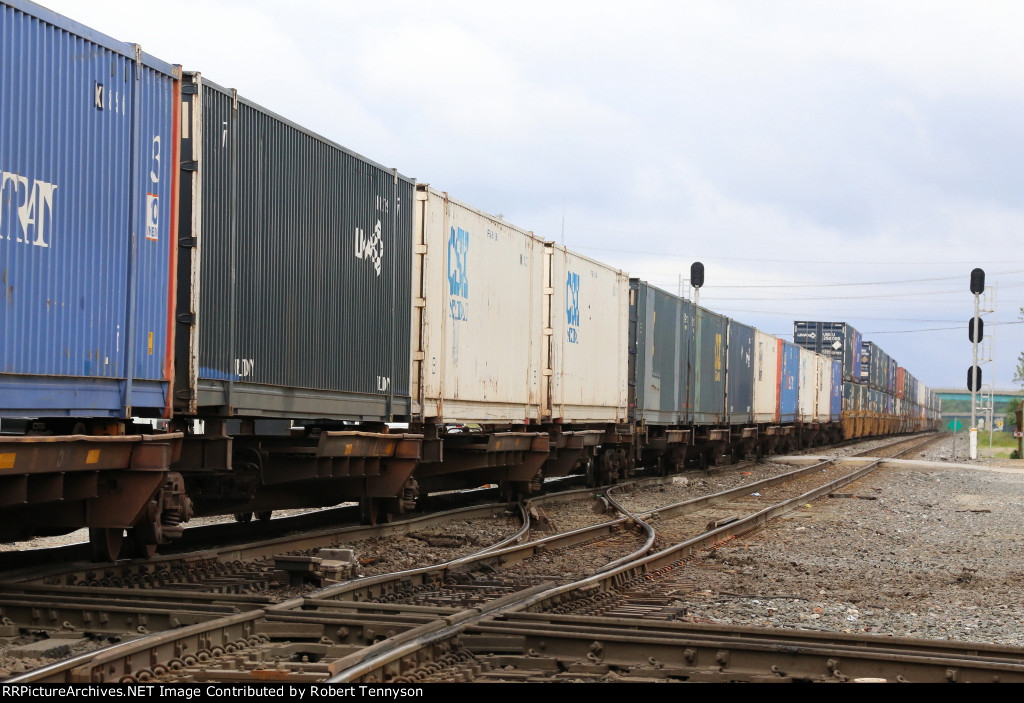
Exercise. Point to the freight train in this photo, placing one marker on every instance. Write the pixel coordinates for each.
(209, 309)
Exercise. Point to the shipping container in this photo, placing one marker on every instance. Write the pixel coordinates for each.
(789, 382)
(836, 391)
(740, 374)
(295, 289)
(477, 336)
(662, 329)
(709, 385)
(808, 385)
(823, 398)
(767, 365)
(835, 339)
(88, 160)
(587, 314)
(874, 366)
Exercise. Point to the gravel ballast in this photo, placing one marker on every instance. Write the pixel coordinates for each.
(928, 550)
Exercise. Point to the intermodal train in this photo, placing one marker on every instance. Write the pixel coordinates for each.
(209, 309)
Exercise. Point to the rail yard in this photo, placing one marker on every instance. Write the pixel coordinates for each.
(509, 462)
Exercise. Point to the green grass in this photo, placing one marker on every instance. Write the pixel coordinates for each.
(1002, 444)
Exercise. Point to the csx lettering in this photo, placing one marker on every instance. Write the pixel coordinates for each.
(458, 309)
(35, 208)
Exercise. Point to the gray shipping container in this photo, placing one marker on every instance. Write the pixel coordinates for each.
(740, 395)
(661, 340)
(296, 267)
(709, 368)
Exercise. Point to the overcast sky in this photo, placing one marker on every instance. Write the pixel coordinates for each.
(848, 161)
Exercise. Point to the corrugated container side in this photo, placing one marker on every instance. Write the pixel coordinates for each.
(587, 312)
(661, 338)
(304, 252)
(852, 357)
(808, 385)
(789, 381)
(837, 340)
(836, 391)
(824, 378)
(740, 373)
(807, 334)
(480, 334)
(88, 159)
(766, 377)
(710, 368)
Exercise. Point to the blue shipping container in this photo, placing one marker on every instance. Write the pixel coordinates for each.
(789, 382)
(88, 158)
(835, 408)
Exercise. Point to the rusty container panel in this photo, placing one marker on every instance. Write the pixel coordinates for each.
(808, 385)
(300, 275)
(710, 364)
(661, 342)
(478, 320)
(740, 374)
(87, 164)
(766, 377)
(587, 328)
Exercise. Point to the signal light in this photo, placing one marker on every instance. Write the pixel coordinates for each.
(970, 330)
(697, 274)
(974, 378)
(977, 281)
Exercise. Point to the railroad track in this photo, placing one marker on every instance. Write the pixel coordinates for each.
(377, 629)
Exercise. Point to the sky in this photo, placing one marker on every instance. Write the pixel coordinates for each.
(840, 161)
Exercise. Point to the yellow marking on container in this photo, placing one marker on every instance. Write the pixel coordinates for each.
(93, 456)
(150, 345)
(348, 449)
(7, 461)
(389, 450)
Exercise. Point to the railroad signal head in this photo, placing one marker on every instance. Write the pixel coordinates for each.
(974, 378)
(970, 330)
(697, 274)
(977, 281)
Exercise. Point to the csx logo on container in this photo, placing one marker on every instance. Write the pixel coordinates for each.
(458, 278)
(33, 201)
(572, 306)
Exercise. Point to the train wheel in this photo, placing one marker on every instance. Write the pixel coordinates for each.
(106, 542)
(243, 517)
(264, 515)
(590, 473)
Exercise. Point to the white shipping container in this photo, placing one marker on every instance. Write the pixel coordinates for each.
(587, 329)
(821, 403)
(808, 385)
(478, 312)
(766, 377)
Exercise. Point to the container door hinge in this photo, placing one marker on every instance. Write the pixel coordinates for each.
(188, 242)
(189, 165)
(187, 318)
